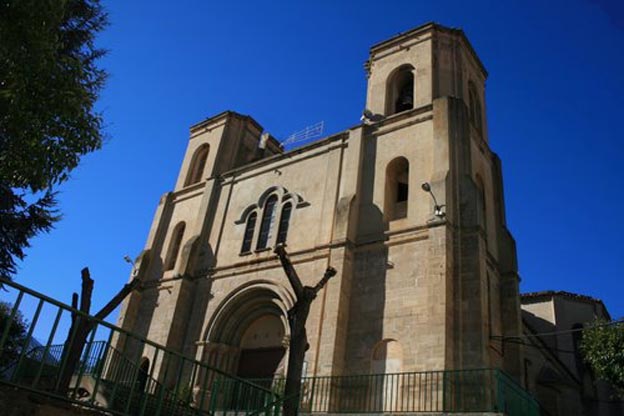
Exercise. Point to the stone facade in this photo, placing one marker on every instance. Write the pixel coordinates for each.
(414, 290)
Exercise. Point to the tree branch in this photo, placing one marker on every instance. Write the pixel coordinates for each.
(119, 297)
(292, 275)
(329, 273)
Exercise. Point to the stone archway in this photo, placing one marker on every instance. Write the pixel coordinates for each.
(248, 334)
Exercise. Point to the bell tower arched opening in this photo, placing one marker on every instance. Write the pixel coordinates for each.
(400, 90)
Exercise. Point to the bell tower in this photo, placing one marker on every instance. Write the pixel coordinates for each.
(426, 93)
(399, 74)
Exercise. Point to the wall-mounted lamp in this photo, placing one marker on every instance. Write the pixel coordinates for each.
(129, 260)
(437, 209)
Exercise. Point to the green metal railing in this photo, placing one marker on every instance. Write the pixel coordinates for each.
(125, 374)
(128, 375)
(480, 390)
(513, 399)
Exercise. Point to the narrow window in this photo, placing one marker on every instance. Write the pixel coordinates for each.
(268, 218)
(471, 101)
(198, 164)
(249, 232)
(397, 189)
(475, 106)
(282, 232)
(174, 246)
(478, 116)
(483, 203)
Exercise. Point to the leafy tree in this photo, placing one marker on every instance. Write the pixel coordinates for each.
(603, 349)
(49, 83)
(17, 334)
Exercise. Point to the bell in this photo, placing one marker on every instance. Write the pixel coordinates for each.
(406, 98)
(407, 101)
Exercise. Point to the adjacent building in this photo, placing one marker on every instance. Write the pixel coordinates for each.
(554, 368)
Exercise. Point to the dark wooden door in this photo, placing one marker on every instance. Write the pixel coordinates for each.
(260, 362)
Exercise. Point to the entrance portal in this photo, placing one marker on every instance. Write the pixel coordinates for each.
(246, 334)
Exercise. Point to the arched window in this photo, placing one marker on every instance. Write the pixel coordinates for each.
(282, 232)
(400, 90)
(475, 106)
(397, 189)
(249, 232)
(266, 226)
(198, 164)
(174, 246)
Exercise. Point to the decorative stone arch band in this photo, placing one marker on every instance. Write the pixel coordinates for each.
(245, 304)
(283, 196)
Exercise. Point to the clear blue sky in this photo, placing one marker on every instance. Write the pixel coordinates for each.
(554, 105)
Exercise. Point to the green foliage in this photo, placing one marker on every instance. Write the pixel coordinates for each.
(49, 83)
(603, 349)
(17, 334)
(20, 221)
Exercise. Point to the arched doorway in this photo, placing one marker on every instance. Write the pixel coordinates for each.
(248, 333)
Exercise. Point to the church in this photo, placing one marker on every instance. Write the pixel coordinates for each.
(407, 206)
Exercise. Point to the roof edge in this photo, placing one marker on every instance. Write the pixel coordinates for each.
(430, 26)
(562, 293)
(222, 115)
